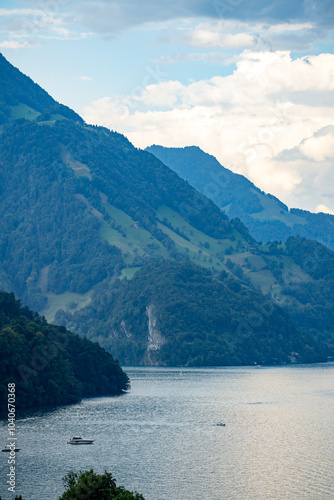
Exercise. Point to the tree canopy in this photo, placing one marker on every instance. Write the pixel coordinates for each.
(93, 486)
(48, 364)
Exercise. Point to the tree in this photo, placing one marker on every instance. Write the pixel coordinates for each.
(92, 486)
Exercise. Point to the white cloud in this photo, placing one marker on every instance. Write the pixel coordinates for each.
(284, 27)
(235, 34)
(324, 209)
(248, 120)
(162, 95)
(16, 44)
(319, 148)
(37, 24)
(21, 12)
(206, 38)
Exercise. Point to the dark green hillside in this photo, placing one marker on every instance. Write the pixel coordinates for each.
(180, 314)
(315, 258)
(266, 217)
(48, 364)
(311, 303)
(46, 222)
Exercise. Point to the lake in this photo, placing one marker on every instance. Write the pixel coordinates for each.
(162, 438)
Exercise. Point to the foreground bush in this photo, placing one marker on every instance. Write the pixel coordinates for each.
(92, 486)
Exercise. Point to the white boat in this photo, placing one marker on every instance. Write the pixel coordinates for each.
(79, 440)
(10, 448)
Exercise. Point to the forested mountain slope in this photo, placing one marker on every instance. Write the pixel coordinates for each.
(177, 313)
(80, 204)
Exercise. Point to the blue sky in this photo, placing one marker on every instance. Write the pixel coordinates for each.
(251, 82)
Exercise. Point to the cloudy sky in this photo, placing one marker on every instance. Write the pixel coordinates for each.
(249, 81)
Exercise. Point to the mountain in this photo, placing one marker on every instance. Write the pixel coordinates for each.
(81, 204)
(266, 217)
(49, 365)
(87, 220)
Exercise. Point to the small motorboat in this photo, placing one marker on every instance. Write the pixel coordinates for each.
(220, 424)
(79, 440)
(8, 447)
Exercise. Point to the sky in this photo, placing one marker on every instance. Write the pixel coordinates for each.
(250, 82)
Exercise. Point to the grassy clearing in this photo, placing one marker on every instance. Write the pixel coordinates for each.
(263, 279)
(52, 120)
(271, 211)
(197, 238)
(63, 301)
(196, 254)
(293, 274)
(129, 272)
(114, 237)
(133, 241)
(201, 249)
(23, 111)
(178, 240)
(255, 262)
(80, 169)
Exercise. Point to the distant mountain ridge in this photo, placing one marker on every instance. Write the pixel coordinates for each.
(266, 216)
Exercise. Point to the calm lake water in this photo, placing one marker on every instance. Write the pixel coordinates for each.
(162, 438)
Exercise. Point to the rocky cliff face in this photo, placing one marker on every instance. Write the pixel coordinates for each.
(155, 338)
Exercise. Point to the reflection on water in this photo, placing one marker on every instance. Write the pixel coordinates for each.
(162, 438)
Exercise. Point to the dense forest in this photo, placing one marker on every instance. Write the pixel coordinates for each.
(312, 307)
(176, 313)
(40, 228)
(48, 364)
